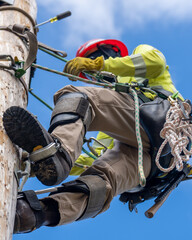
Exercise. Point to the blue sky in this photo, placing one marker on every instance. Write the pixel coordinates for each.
(163, 24)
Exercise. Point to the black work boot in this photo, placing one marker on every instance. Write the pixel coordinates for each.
(33, 214)
(25, 131)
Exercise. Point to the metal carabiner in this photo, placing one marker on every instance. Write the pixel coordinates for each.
(92, 149)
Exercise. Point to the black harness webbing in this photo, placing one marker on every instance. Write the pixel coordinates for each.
(35, 205)
(153, 125)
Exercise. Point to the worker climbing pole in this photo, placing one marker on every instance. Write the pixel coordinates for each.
(18, 51)
(13, 91)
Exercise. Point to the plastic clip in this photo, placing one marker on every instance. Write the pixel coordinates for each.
(122, 87)
(19, 71)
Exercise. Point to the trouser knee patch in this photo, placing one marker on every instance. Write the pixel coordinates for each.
(69, 108)
(91, 185)
(96, 201)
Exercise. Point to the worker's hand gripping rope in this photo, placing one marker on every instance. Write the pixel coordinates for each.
(79, 64)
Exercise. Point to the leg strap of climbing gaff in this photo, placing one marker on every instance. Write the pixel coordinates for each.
(31, 198)
(91, 185)
(69, 108)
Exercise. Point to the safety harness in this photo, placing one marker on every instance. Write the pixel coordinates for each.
(174, 124)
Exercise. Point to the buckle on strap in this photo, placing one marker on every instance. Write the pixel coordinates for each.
(45, 152)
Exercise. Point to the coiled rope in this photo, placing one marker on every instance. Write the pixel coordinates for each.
(177, 131)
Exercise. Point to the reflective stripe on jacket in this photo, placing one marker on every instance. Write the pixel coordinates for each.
(145, 62)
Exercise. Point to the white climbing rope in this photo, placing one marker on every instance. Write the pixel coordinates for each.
(142, 179)
(178, 133)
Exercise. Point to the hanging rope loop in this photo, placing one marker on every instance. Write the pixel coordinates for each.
(177, 131)
(142, 179)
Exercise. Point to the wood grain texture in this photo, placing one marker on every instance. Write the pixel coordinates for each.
(11, 93)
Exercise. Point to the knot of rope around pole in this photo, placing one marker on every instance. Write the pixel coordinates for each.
(177, 131)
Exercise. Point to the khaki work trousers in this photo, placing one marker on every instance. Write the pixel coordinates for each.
(112, 113)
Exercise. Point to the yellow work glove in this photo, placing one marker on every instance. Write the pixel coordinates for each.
(79, 64)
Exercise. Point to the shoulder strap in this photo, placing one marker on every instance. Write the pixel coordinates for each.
(162, 92)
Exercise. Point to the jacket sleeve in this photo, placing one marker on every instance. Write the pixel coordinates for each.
(146, 62)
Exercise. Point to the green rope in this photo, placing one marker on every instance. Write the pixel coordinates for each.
(41, 100)
(98, 76)
(142, 178)
(89, 154)
(73, 77)
(79, 165)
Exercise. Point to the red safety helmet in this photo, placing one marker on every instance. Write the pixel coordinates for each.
(100, 47)
(107, 48)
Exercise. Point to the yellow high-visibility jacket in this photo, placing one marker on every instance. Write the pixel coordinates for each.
(146, 62)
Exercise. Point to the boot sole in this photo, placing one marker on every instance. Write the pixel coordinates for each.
(25, 131)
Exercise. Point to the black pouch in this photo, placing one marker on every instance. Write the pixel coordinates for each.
(152, 119)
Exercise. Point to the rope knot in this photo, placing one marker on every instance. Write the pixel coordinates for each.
(178, 133)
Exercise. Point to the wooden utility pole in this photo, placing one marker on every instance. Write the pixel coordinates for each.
(12, 93)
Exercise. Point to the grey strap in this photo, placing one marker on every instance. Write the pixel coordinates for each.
(69, 108)
(71, 105)
(12, 8)
(33, 44)
(23, 32)
(58, 52)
